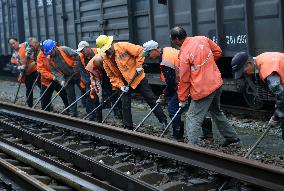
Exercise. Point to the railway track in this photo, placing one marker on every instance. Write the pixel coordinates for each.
(116, 159)
(247, 112)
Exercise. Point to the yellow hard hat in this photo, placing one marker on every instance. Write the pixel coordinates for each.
(104, 42)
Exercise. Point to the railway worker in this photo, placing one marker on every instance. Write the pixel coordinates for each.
(169, 65)
(121, 60)
(101, 84)
(47, 82)
(270, 67)
(86, 53)
(95, 68)
(64, 67)
(25, 64)
(201, 79)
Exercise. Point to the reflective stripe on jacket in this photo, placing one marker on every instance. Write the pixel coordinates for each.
(128, 58)
(170, 59)
(270, 62)
(44, 69)
(20, 56)
(199, 74)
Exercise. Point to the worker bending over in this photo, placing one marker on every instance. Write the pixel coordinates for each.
(270, 67)
(169, 65)
(121, 61)
(64, 67)
(25, 63)
(47, 81)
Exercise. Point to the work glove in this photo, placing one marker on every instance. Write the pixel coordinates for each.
(182, 104)
(62, 83)
(161, 99)
(21, 68)
(139, 70)
(124, 89)
(100, 96)
(29, 52)
(273, 122)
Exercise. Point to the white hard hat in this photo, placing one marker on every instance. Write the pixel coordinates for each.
(148, 46)
(82, 45)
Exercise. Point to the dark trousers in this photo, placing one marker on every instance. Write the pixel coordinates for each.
(178, 127)
(29, 81)
(91, 104)
(107, 91)
(71, 94)
(146, 91)
(48, 95)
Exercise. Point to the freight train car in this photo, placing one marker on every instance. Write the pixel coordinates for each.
(255, 26)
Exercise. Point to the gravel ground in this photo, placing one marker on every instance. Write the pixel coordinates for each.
(270, 150)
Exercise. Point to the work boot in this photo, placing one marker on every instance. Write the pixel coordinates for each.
(282, 128)
(99, 117)
(66, 112)
(73, 114)
(207, 129)
(128, 127)
(228, 142)
(178, 131)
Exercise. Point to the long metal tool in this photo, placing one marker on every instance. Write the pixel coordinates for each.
(33, 86)
(52, 100)
(249, 152)
(168, 125)
(99, 106)
(19, 86)
(146, 117)
(268, 127)
(77, 100)
(128, 85)
(16, 96)
(37, 101)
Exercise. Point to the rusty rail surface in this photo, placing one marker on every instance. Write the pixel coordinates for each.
(236, 167)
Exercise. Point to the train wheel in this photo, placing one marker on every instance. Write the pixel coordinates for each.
(250, 93)
(252, 101)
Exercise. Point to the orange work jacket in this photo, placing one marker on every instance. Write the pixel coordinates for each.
(22, 56)
(199, 74)
(270, 62)
(44, 69)
(82, 56)
(96, 77)
(128, 58)
(68, 59)
(170, 59)
(82, 84)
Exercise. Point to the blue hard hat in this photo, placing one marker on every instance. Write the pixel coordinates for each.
(48, 46)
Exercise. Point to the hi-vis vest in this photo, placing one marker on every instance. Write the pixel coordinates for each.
(270, 62)
(170, 59)
(68, 59)
(82, 56)
(93, 70)
(21, 56)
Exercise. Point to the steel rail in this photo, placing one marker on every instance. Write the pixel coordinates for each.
(236, 167)
(104, 172)
(20, 179)
(69, 176)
